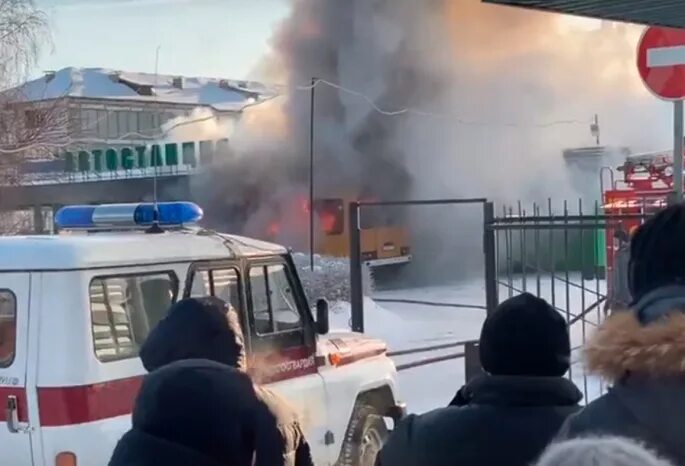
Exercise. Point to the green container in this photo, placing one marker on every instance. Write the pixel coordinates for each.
(574, 251)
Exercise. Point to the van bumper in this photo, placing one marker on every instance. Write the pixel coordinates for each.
(388, 261)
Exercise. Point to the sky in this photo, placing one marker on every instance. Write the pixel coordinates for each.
(213, 38)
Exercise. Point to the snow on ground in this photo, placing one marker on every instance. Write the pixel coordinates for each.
(405, 326)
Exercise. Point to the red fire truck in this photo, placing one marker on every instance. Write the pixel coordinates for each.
(642, 187)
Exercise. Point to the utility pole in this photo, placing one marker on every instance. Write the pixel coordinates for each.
(157, 64)
(311, 173)
(594, 129)
(678, 150)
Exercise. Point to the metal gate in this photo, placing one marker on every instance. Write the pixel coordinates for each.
(557, 253)
(354, 215)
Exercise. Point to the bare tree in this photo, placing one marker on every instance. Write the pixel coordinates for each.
(30, 127)
(23, 33)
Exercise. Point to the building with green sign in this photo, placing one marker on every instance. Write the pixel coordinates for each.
(115, 120)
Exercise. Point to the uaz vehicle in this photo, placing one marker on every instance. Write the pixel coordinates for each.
(75, 308)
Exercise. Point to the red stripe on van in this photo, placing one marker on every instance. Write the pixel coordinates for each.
(65, 406)
(20, 393)
(282, 365)
(62, 406)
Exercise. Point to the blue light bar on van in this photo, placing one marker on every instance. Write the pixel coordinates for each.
(86, 217)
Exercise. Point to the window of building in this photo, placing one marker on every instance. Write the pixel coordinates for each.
(112, 125)
(133, 124)
(75, 121)
(36, 118)
(166, 117)
(223, 283)
(125, 308)
(145, 122)
(89, 121)
(102, 126)
(274, 308)
(122, 118)
(8, 327)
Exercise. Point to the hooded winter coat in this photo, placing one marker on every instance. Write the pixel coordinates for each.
(494, 420)
(207, 328)
(646, 365)
(200, 413)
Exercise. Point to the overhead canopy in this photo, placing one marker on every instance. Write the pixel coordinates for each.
(669, 13)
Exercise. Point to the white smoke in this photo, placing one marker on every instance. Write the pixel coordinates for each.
(201, 125)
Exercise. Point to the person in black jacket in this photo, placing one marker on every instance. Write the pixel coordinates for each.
(642, 352)
(207, 328)
(508, 415)
(200, 413)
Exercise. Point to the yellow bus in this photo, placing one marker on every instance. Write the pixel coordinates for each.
(384, 240)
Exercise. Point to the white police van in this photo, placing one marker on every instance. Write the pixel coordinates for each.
(75, 308)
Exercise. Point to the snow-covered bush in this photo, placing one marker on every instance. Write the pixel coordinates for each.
(330, 278)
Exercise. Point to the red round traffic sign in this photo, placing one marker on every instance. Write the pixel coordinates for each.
(661, 62)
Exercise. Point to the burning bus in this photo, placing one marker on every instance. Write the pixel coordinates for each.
(384, 237)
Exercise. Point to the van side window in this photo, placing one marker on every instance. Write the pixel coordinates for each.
(274, 306)
(8, 327)
(223, 283)
(125, 308)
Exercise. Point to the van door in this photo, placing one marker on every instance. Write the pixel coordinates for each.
(283, 348)
(279, 334)
(15, 434)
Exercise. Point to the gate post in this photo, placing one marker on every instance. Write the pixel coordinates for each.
(490, 255)
(38, 223)
(472, 366)
(357, 297)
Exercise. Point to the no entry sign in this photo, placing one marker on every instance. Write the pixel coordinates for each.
(661, 62)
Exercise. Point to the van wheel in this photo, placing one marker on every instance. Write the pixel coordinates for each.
(364, 437)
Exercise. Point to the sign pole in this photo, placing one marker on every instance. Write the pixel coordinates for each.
(311, 173)
(660, 62)
(678, 150)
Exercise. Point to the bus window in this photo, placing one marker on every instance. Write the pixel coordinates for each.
(331, 214)
(378, 217)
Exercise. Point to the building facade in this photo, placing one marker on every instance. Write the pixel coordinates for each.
(125, 124)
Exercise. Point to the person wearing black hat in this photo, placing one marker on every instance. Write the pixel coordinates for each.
(208, 328)
(642, 352)
(200, 413)
(508, 415)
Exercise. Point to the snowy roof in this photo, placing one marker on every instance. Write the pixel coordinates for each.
(101, 83)
(80, 251)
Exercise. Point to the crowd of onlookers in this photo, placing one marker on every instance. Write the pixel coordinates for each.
(198, 406)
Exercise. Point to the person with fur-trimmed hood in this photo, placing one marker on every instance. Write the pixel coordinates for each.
(208, 328)
(642, 352)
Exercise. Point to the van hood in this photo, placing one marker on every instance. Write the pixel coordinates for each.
(349, 347)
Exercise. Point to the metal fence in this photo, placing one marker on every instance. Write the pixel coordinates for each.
(557, 253)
